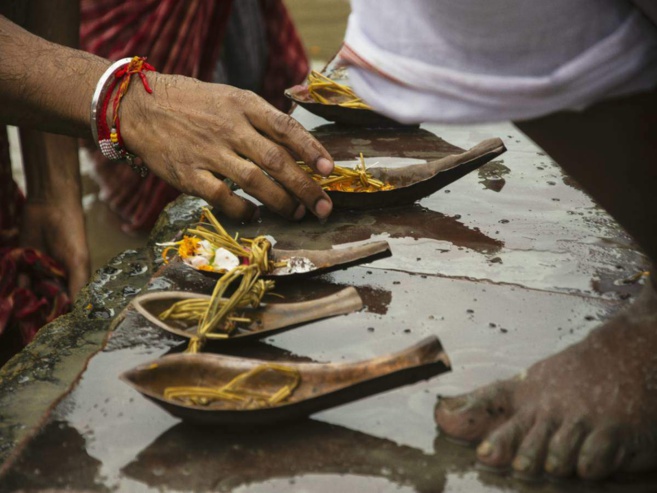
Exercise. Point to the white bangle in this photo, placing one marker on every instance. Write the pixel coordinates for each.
(100, 93)
(110, 145)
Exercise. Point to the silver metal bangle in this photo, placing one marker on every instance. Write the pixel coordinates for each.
(100, 92)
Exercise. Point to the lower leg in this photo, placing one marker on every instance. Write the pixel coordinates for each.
(611, 150)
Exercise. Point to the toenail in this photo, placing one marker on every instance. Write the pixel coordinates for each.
(485, 449)
(522, 375)
(521, 463)
(620, 458)
(453, 404)
(551, 464)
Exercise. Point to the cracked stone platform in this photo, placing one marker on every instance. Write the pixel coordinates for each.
(506, 266)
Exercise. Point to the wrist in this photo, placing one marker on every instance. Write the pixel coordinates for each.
(107, 105)
(138, 112)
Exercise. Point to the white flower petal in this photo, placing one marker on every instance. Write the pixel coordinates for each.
(225, 260)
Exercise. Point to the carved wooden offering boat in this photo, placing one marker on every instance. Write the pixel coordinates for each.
(304, 263)
(332, 99)
(312, 262)
(208, 248)
(242, 266)
(408, 184)
(280, 391)
(266, 319)
(339, 114)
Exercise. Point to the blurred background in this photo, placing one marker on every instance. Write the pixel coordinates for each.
(321, 24)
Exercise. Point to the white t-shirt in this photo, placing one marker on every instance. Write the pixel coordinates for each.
(491, 60)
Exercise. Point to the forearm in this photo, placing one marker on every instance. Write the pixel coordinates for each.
(53, 212)
(189, 133)
(44, 85)
(52, 172)
(52, 169)
(53, 218)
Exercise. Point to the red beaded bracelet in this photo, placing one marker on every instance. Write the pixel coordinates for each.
(109, 141)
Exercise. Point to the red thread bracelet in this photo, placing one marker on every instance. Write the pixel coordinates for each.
(110, 141)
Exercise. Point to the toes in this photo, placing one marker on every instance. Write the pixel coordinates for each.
(530, 457)
(472, 416)
(599, 455)
(499, 448)
(563, 449)
(640, 451)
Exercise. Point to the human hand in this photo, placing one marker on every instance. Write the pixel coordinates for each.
(57, 229)
(53, 219)
(193, 134)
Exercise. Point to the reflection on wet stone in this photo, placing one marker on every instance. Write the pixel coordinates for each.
(134, 331)
(375, 298)
(414, 222)
(63, 462)
(346, 143)
(491, 176)
(223, 461)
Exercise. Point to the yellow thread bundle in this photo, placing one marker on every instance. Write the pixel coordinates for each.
(236, 391)
(327, 91)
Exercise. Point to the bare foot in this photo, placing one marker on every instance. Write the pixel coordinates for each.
(590, 410)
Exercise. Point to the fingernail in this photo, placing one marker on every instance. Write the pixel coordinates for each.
(324, 166)
(484, 449)
(299, 212)
(521, 463)
(323, 208)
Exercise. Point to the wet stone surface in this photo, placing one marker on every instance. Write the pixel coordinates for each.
(506, 266)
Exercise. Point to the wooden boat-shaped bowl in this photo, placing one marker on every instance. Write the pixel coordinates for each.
(266, 320)
(322, 386)
(320, 260)
(416, 181)
(329, 259)
(339, 114)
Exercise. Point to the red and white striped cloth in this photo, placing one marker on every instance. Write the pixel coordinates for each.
(32, 285)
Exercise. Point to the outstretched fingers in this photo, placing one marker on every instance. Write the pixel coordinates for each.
(296, 186)
(228, 132)
(283, 138)
(287, 131)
